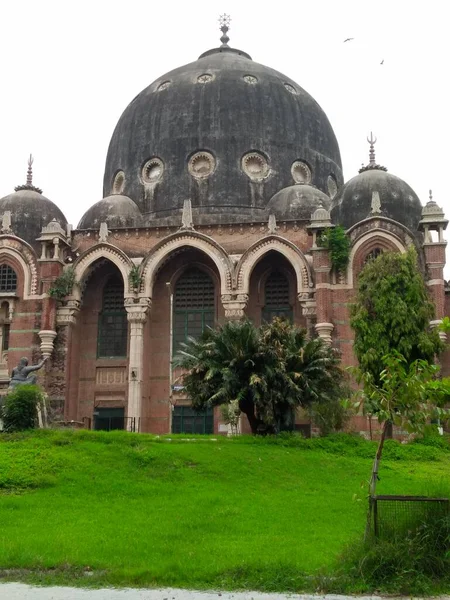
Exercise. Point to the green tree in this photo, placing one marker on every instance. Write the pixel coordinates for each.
(269, 371)
(392, 312)
(408, 394)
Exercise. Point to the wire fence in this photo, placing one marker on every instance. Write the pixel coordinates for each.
(394, 516)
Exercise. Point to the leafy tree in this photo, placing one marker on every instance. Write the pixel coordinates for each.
(20, 408)
(392, 312)
(269, 371)
(406, 394)
(338, 243)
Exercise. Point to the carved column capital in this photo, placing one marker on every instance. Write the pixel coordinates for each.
(67, 313)
(234, 305)
(137, 311)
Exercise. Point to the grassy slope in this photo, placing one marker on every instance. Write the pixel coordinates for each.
(203, 513)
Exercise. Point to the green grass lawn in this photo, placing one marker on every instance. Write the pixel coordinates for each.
(267, 514)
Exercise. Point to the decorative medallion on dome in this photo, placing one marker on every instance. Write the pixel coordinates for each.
(250, 79)
(202, 164)
(255, 165)
(164, 85)
(301, 172)
(372, 162)
(118, 183)
(29, 184)
(290, 88)
(153, 170)
(205, 78)
(332, 186)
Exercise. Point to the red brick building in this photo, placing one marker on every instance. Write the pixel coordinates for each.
(219, 176)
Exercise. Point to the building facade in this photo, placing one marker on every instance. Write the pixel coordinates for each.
(219, 177)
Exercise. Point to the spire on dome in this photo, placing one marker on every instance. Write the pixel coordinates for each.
(29, 184)
(372, 162)
(224, 21)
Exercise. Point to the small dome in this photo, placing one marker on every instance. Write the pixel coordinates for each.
(115, 210)
(30, 212)
(321, 215)
(376, 192)
(297, 202)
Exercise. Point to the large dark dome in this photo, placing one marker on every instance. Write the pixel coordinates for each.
(224, 131)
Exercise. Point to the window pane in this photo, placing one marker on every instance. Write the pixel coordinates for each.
(8, 279)
(113, 324)
(277, 298)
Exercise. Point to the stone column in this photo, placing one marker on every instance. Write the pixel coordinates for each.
(322, 270)
(66, 318)
(137, 316)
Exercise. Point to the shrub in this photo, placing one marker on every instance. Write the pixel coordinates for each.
(19, 411)
(331, 416)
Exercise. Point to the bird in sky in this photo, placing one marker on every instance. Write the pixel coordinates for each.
(348, 40)
(382, 62)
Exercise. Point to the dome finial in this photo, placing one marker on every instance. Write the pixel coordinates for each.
(30, 170)
(431, 195)
(29, 184)
(372, 162)
(224, 21)
(372, 141)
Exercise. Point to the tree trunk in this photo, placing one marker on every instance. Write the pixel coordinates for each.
(374, 476)
(248, 408)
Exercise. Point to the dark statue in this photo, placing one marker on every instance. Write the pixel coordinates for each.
(21, 374)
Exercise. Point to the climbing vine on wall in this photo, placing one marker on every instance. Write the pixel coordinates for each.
(337, 242)
(62, 286)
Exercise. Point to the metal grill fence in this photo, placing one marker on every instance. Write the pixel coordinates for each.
(394, 516)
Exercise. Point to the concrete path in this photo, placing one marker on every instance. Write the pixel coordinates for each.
(20, 591)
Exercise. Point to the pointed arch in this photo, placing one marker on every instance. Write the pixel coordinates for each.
(284, 247)
(373, 239)
(22, 253)
(109, 252)
(165, 249)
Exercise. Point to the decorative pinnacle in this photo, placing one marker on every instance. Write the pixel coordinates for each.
(372, 143)
(431, 196)
(372, 162)
(224, 21)
(30, 170)
(29, 184)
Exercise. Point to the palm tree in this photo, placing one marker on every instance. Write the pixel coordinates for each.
(270, 371)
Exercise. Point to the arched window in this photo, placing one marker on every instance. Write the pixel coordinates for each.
(276, 297)
(373, 254)
(193, 305)
(113, 325)
(8, 279)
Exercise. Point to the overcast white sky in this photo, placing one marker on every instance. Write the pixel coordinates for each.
(69, 69)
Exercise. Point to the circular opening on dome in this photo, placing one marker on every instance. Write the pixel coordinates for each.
(164, 85)
(201, 164)
(118, 183)
(255, 165)
(301, 172)
(152, 170)
(205, 78)
(290, 88)
(332, 186)
(251, 79)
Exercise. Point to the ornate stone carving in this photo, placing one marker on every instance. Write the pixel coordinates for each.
(103, 232)
(110, 376)
(324, 330)
(6, 222)
(47, 342)
(67, 314)
(186, 217)
(110, 252)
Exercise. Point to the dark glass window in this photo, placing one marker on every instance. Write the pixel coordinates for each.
(276, 297)
(107, 419)
(113, 325)
(186, 420)
(8, 279)
(193, 305)
(5, 342)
